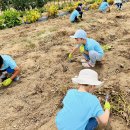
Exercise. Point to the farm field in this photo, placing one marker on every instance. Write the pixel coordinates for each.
(40, 49)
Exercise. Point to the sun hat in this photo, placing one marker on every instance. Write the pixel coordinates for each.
(80, 34)
(87, 76)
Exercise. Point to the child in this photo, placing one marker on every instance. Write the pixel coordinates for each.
(118, 4)
(8, 68)
(104, 7)
(91, 49)
(82, 110)
(75, 16)
(80, 12)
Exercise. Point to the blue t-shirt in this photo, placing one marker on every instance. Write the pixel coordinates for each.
(8, 62)
(103, 6)
(78, 108)
(91, 44)
(74, 14)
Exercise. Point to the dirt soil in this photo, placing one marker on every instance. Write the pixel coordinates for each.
(40, 48)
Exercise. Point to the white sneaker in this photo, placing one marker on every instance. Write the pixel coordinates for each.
(83, 61)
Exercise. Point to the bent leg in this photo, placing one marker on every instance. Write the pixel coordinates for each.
(92, 124)
(94, 56)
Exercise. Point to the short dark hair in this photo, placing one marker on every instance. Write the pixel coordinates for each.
(104, 0)
(1, 61)
(80, 4)
(78, 9)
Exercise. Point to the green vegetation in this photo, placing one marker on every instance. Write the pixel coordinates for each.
(52, 10)
(21, 4)
(106, 47)
(31, 16)
(29, 11)
(2, 23)
(10, 18)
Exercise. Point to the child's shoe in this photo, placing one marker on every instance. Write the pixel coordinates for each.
(83, 61)
(17, 78)
(87, 65)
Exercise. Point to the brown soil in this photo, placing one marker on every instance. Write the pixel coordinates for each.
(40, 48)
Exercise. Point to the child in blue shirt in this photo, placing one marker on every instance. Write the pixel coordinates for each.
(104, 7)
(8, 67)
(81, 109)
(75, 16)
(91, 49)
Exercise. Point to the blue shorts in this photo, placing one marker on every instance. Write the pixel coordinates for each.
(92, 124)
(9, 70)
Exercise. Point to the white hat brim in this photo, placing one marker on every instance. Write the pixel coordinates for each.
(86, 81)
(73, 36)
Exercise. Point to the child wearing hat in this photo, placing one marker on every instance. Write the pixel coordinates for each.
(91, 49)
(118, 4)
(104, 7)
(81, 109)
(75, 15)
(8, 69)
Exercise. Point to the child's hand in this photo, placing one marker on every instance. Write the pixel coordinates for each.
(107, 105)
(81, 49)
(7, 82)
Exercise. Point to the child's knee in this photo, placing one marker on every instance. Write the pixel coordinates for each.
(92, 53)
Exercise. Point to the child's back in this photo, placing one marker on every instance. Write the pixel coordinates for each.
(78, 108)
(74, 14)
(104, 5)
(74, 17)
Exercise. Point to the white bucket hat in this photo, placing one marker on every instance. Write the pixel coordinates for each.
(80, 34)
(87, 76)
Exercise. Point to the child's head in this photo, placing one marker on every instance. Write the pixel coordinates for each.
(87, 78)
(80, 36)
(78, 9)
(104, 0)
(80, 4)
(1, 61)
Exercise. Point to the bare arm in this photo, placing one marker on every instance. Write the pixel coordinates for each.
(74, 50)
(104, 118)
(86, 52)
(16, 72)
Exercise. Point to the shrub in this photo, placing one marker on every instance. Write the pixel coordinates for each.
(27, 4)
(52, 10)
(31, 16)
(70, 7)
(4, 4)
(40, 3)
(42, 10)
(2, 24)
(12, 18)
(106, 47)
(99, 2)
(21, 4)
(94, 6)
(110, 1)
(90, 1)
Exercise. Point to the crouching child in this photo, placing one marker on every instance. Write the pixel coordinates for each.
(81, 109)
(8, 69)
(104, 7)
(76, 15)
(88, 47)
